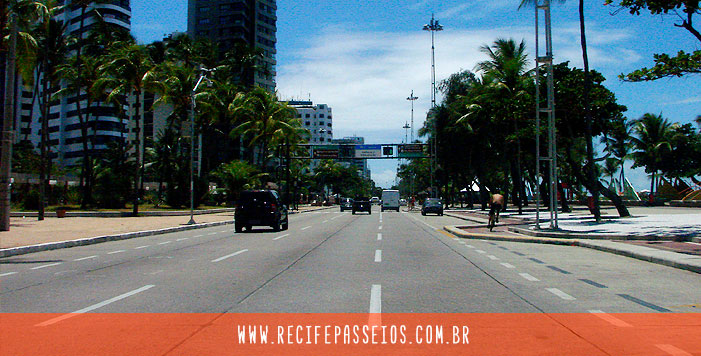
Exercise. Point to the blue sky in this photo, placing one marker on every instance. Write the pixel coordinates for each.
(363, 58)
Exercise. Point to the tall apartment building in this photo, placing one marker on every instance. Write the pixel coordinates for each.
(360, 164)
(64, 125)
(227, 22)
(318, 120)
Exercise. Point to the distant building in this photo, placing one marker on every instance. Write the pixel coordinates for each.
(105, 126)
(360, 164)
(318, 120)
(228, 22)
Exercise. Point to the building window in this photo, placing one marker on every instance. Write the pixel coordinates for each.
(204, 9)
(307, 116)
(307, 123)
(203, 21)
(321, 123)
(321, 116)
(329, 124)
(321, 139)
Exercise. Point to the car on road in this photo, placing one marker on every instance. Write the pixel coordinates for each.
(375, 201)
(362, 204)
(402, 202)
(432, 206)
(346, 204)
(260, 208)
(390, 200)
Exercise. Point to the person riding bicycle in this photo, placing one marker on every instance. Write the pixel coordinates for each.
(496, 203)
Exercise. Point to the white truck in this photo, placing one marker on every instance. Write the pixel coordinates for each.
(390, 200)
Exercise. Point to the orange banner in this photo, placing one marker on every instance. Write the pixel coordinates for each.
(350, 334)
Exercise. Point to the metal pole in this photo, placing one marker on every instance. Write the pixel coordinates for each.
(192, 149)
(412, 98)
(432, 27)
(537, 119)
(7, 128)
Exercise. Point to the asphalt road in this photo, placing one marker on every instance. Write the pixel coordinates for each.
(338, 262)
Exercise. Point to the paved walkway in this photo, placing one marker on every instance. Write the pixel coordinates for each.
(30, 231)
(578, 228)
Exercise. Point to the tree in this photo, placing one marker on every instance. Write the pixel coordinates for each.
(237, 176)
(131, 72)
(666, 66)
(262, 119)
(652, 142)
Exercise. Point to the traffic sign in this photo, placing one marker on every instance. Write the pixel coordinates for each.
(368, 151)
(325, 151)
(411, 150)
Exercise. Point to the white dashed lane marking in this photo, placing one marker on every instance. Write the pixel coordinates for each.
(528, 277)
(611, 319)
(378, 255)
(672, 350)
(115, 252)
(228, 256)
(281, 236)
(379, 237)
(95, 306)
(85, 258)
(560, 294)
(140, 247)
(49, 265)
(480, 251)
(304, 228)
(182, 239)
(7, 274)
(492, 257)
(164, 242)
(507, 265)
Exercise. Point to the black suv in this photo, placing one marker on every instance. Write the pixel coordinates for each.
(362, 204)
(260, 208)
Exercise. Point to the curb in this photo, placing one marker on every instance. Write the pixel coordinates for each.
(589, 236)
(120, 214)
(23, 250)
(655, 256)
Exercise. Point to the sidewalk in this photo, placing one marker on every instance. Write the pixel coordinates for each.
(613, 235)
(73, 231)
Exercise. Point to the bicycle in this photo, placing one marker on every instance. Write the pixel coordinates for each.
(493, 216)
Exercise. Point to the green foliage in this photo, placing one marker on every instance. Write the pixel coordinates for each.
(237, 176)
(665, 66)
(112, 179)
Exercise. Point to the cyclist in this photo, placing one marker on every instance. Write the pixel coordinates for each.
(496, 203)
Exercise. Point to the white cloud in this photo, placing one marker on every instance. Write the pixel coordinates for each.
(366, 76)
(690, 100)
(384, 178)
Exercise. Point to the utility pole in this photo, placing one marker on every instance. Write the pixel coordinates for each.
(7, 127)
(545, 63)
(433, 27)
(412, 98)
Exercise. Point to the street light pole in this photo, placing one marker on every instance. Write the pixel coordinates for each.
(406, 132)
(7, 129)
(433, 27)
(203, 76)
(412, 98)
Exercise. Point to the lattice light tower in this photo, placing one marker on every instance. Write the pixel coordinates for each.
(545, 63)
(433, 27)
(412, 98)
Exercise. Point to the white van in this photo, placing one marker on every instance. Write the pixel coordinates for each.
(390, 200)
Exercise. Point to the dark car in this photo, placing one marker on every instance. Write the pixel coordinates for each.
(260, 208)
(346, 204)
(432, 206)
(362, 204)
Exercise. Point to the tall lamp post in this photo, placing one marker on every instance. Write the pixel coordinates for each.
(412, 98)
(406, 132)
(203, 77)
(433, 27)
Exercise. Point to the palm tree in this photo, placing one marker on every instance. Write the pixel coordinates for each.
(506, 68)
(261, 119)
(618, 144)
(131, 73)
(651, 140)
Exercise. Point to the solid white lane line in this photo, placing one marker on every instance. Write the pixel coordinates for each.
(7, 274)
(227, 256)
(672, 350)
(85, 258)
(528, 277)
(182, 239)
(610, 319)
(492, 257)
(480, 251)
(379, 236)
(376, 299)
(96, 306)
(140, 247)
(281, 236)
(49, 265)
(114, 252)
(507, 265)
(560, 294)
(306, 227)
(164, 242)
(378, 255)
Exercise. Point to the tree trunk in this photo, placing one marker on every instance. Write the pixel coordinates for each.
(43, 142)
(591, 165)
(7, 128)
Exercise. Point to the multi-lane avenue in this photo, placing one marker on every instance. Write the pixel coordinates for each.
(333, 262)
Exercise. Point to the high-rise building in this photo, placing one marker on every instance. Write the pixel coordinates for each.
(318, 120)
(228, 22)
(65, 137)
(360, 164)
